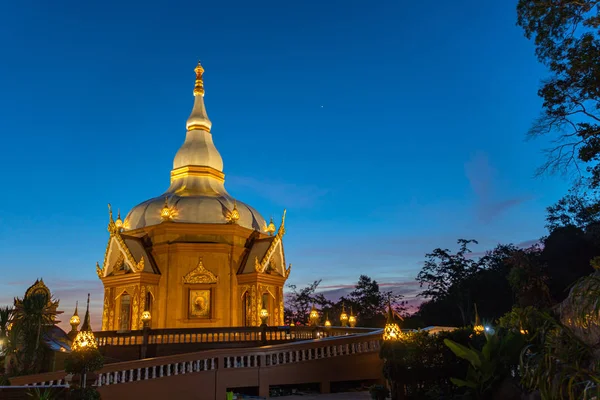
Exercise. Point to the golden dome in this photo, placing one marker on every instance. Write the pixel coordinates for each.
(197, 192)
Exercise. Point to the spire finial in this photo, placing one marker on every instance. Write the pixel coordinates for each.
(87, 326)
(199, 87)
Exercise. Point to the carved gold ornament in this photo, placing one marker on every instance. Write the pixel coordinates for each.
(200, 275)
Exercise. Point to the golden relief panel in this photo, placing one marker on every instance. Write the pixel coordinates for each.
(105, 310)
(253, 302)
(200, 275)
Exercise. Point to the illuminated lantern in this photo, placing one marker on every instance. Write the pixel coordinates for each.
(146, 318)
(84, 340)
(352, 319)
(344, 317)
(271, 228)
(327, 322)
(119, 221)
(313, 316)
(392, 331)
(166, 213)
(263, 314)
(478, 327)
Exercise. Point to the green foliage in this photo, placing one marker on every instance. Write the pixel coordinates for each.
(88, 360)
(43, 394)
(4, 381)
(445, 276)
(423, 365)
(369, 304)
(489, 366)
(31, 318)
(379, 392)
(89, 393)
(300, 302)
(460, 281)
(565, 34)
(367, 301)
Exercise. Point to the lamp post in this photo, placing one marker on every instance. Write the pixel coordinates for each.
(84, 342)
(391, 335)
(344, 317)
(146, 318)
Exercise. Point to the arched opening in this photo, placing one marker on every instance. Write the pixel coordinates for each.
(125, 313)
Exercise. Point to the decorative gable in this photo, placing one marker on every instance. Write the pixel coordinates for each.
(200, 275)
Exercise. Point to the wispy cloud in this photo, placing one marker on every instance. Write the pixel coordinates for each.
(490, 204)
(285, 194)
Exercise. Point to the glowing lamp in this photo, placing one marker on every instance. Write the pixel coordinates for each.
(75, 320)
(313, 316)
(83, 341)
(292, 323)
(327, 322)
(263, 314)
(166, 213)
(119, 221)
(344, 316)
(392, 332)
(352, 319)
(271, 227)
(234, 215)
(146, 317)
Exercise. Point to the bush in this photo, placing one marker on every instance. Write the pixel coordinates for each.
(423, 365)
(379, 392)
(89, 393)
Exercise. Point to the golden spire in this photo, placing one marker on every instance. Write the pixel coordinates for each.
(87, 326)
(199, 87)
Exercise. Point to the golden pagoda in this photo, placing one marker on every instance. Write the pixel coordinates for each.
(193, 256)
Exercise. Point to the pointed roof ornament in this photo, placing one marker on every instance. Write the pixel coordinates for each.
(198, 119)
(87, 326)
(281, 230)
(199, 87)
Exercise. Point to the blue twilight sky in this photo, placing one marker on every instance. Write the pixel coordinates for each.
(386, 128)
